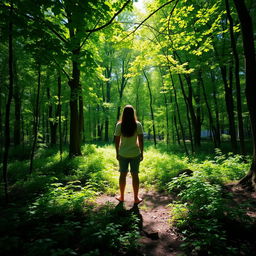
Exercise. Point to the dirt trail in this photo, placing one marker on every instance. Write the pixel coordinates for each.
(158, 238)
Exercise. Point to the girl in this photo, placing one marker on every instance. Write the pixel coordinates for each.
(129, 150)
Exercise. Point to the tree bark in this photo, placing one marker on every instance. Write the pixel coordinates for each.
(59, 114)
(75, 92)
(108, 87)
(250, 67)
(194, 113)
(217, 134)
(237, 79)
(212, 126)
(179, 117)
(1, 120)
(123, 84)
(81, 113)
(52, 121)
(188, 117)
(75, 138)
(8, 105)
(17, 106)
(229, 104)
(151, 107)
(36, 120)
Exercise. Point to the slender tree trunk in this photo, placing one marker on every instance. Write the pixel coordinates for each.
(47, 137)
(217, 135)
(36, 120)
(59, 114)
(213, 128)
(1, 120)
(198, 122)
(81, 113)
(65, 132)
(52, 121)
(108, 87)
(237, 79)
(8, 105)
(174, 122)
(151, 107)
(229, 105)
(194, 113)
(250, 92)
(137, 101)
(167, 120)
(179, 118)
(188, 117)
(124, 81)
(22, 131)
(17, 107)
(166, 112)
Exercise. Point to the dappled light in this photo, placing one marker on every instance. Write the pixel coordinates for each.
(127, 127)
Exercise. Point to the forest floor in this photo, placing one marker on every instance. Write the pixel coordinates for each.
(157, 235)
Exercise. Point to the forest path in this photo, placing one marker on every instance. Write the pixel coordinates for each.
(157, 236)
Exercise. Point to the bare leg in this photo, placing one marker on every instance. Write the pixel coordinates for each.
(122, 183)
(136, 184)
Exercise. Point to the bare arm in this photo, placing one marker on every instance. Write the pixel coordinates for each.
(117, 142)
(141, 145)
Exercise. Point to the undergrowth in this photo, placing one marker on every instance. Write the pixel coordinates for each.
(52, 210)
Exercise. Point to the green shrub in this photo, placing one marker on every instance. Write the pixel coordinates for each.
(159, 168)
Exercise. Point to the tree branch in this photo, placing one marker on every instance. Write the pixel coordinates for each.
(111, 20)
(31, 17)
(151, 14)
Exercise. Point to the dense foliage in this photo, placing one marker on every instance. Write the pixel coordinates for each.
(67, 67)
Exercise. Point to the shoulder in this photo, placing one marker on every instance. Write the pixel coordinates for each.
(118, 123)
(139, 125)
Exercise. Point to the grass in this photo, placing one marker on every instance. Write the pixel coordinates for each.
(55, 204)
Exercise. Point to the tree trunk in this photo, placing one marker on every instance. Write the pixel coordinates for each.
(75, 138)
(108, 75)
(124, 81)
(59, 114)
(52, 121)
(17, 107)
(167, 121)
(188, 117)
(81, 113)
(179, 117)
(8, 106)
(36, 121)
(195, 114)
(237, 79)
(229, 105)
(213, 128)
(151, 107)
(166, 111)
(250, 91)
(1, 121)
(217, 134)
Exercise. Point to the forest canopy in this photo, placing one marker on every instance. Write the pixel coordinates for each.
(67, 69)
(69, 66)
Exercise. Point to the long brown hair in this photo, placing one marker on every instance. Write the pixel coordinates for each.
(128, 121)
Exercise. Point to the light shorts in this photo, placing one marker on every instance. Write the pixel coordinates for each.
(134, 164)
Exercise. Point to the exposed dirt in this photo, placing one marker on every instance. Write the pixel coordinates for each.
(157, 236)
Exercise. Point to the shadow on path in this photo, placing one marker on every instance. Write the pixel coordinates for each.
(157, 236)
